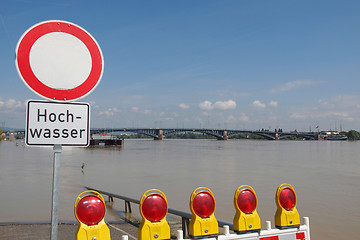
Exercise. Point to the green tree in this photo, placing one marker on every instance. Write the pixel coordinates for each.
(353, 135)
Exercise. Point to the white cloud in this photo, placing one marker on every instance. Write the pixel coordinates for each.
(135, 109)
(225, 105)
(106, 113)
(206, 105)
(11, 104)
(109, 112)
(147, 112)
(299, 116)
(259, 105)
(335, 108)
(231, 118)
(244, 118)
(320, 115)
(273, 104)
(221, 105)
(184, 106)
(94, 105)
(293, 85)
(335, 114)
(341, 101)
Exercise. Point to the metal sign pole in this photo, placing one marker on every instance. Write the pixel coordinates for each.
(55, 192)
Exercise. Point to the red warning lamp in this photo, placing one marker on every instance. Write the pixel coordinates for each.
(246, 201)
(246, 218)
(154, 208)
(90, 210)
(104, 134)
(203, 204)
(203, 222)
(286, 215)
(287, 198)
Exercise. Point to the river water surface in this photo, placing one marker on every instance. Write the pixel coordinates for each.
(325, 176)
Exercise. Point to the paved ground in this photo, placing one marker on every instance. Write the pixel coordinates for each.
(65, 231)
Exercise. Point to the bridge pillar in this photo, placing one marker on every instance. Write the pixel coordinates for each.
(11, 135)
(224, 136)
(159, 133)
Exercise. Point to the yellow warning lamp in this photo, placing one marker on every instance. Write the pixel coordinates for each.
(90, 211)
(246, 218)
(153, 209)
(286, 215)
(203, 222)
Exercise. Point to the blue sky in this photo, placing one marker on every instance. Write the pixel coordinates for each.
(242, 64)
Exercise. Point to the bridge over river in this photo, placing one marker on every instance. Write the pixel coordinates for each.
(220, 134)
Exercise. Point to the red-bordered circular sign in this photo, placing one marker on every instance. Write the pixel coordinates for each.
(59, 60)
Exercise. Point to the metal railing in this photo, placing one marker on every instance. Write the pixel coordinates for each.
(185, 216)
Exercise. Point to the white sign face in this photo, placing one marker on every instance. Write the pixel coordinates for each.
(50, 123)
(60, 49)
(59, 60)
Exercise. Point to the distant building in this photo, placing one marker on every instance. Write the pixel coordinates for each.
(330, 133)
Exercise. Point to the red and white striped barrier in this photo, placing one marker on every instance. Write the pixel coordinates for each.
(300, 233)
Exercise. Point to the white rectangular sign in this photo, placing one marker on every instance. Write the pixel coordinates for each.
(50, 123)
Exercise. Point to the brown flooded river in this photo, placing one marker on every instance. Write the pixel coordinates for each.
(325, 175)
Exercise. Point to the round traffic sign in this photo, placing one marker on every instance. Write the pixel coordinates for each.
(59, 60)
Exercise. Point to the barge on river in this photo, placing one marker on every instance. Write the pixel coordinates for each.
(105, 141)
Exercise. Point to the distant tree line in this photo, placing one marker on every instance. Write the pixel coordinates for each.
(352, 135)
(247, 136)
(190, 136)
(131, 136)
